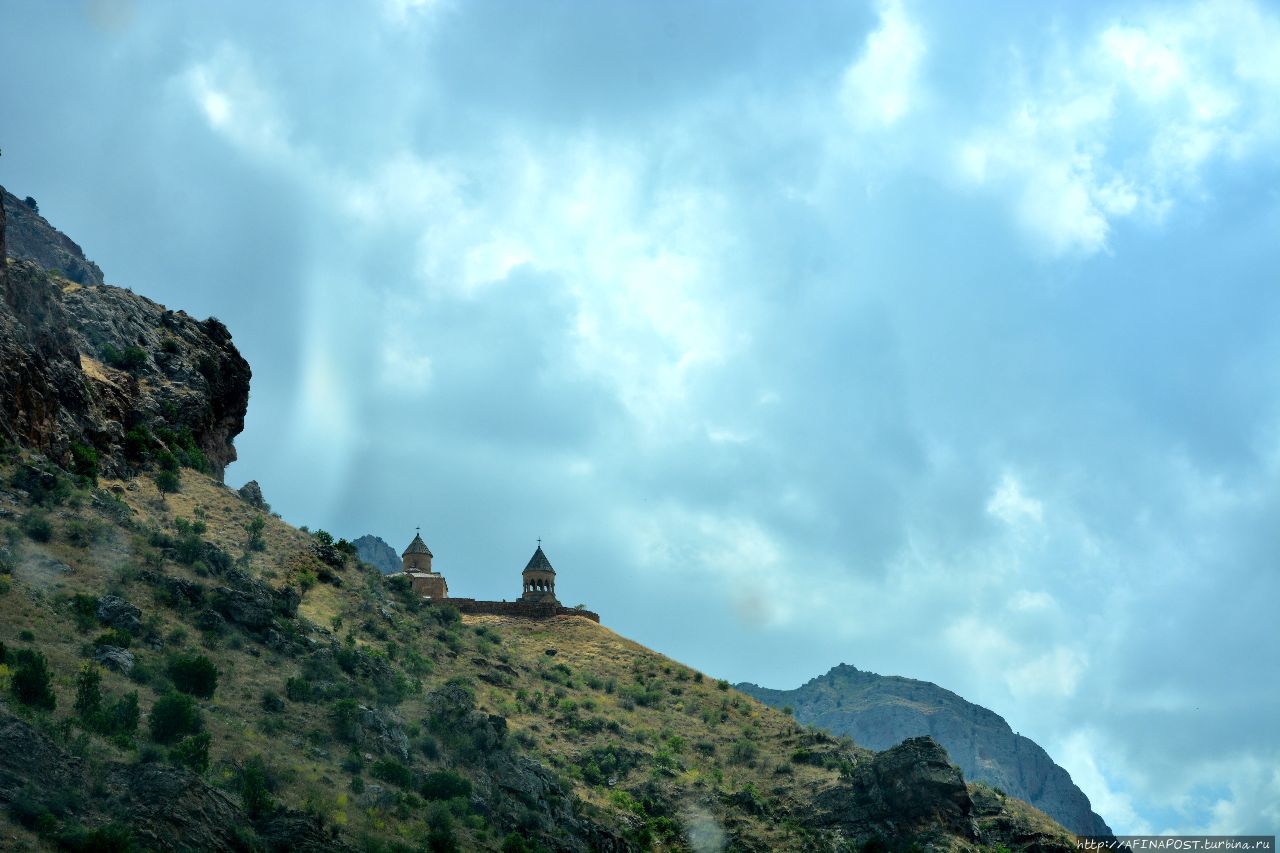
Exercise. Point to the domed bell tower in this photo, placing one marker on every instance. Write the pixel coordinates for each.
(425, 581)
(539, 579)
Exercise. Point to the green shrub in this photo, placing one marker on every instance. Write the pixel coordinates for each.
(130, 358)
(85, 610)
(346, 720)
(37, 527)
(255, 788)
(445, 785)
(168, 482)
(743, 752)
(390, 770)
(84, 461)
(88, 691)
(194, 674)
(82, 532)
(298, 689)
(192, 752)
(112, 838)
(174, 716)
(114, 637)
(137, 443)
(515, 843)
(31, 683)
(121, 718)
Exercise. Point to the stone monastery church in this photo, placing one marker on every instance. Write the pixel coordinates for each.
(538, 600)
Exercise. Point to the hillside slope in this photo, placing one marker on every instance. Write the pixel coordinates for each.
(181, 670)
(880, 711)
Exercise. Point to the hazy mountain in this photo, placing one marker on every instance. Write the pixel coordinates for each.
(377, 553)
(880, 711)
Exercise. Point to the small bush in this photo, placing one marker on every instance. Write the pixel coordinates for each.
(129, 358)
(194, 674)
(174, 716)
(84, 611)
(445, 785)
(298, 689)
(390, 770)
(112, 838)
(346, 720)
(37, 527)
(192, 752)
(255, 788)
(84, 461)
(31, 683)
(271, 703)
(117, 637)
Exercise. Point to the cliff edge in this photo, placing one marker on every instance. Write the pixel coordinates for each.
(102, 380)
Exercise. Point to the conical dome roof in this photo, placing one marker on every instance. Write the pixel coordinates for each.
(539, 562)
(417, 546)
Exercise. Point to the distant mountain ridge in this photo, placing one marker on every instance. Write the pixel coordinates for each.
(880, 711)
(375, 551)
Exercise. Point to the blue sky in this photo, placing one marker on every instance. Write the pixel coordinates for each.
(939, 339)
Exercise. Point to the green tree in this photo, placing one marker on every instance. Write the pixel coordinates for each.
(31, 684)
(89, 692)
(173, 716)
(255, 788)
(194, 674)
(168, 482)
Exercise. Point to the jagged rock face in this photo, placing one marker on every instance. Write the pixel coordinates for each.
(377, 553)
(900, 792)
(30, 237)
(880, 711)
(58, 388)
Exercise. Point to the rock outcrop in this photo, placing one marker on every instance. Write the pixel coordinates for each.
(30, 237)
(899, 793)
(93, 370)
(377, 553)
(880, 711)
(165, 808)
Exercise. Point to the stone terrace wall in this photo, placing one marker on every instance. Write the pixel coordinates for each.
(518, 608)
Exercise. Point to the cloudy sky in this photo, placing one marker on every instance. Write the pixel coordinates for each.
(938, 339)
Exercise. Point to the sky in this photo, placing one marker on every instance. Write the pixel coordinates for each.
(938, 339)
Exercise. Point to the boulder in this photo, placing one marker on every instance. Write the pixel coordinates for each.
(251, 493)
(114, 658)
(118, 613)
(253, 609)
(901, 791)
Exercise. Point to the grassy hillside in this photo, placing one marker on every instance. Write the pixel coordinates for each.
(358, 716)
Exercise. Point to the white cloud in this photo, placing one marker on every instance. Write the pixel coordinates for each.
(1078, 753)
(1056, 674)
(1009, 504)
(229, 95)
(881, 87)
(1126, 123)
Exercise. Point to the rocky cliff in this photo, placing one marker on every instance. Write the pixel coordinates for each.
(102, 380)
(881, 711)
(377, 553)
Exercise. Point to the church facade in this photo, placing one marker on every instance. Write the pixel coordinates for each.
(538, 587)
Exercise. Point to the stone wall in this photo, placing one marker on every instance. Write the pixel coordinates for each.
(518, 608)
